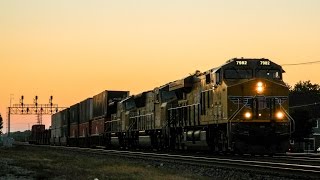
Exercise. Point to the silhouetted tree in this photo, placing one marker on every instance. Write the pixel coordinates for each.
(21, 136)
(306, 86)
(303, 99)
(1, 124)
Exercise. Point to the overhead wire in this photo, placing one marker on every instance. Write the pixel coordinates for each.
(305, 105)
(303, 63)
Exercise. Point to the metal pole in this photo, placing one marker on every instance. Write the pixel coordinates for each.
(9, 113)
(9, 109)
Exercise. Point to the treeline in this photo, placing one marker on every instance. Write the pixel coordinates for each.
(21, 136)
(304, 104)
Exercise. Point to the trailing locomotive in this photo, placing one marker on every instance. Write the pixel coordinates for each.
(241, 106)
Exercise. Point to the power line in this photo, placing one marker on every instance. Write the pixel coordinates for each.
(305, 105)
(295, 64)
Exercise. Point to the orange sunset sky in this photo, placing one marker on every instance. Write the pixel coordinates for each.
(75, 49)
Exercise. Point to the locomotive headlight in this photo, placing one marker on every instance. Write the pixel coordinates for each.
(247, 115)
(260, 87)
(279, 115)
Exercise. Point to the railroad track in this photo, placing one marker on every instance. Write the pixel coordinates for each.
(264, 166)
(277, 164)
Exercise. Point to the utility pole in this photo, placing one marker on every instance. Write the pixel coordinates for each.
(9, 112)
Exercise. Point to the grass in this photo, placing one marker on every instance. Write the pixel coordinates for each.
(49, 163)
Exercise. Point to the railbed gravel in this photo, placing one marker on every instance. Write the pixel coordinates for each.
(212, 172)
(13, 172)
(218, 172)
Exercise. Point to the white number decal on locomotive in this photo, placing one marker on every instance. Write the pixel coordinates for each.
(241, 63)
(265, 63)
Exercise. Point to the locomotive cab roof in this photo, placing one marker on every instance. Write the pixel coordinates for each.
(247, 68)
(261, 63)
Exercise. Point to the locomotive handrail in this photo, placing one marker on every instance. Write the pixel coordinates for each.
(237, 112)
(114, 120)
(179, 107)
(131, 125)
(293, 128)
(136, 119)
(110, 128)
(167, 121)
(142, 115)
(229, 122)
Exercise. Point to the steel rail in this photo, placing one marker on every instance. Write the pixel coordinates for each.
(291, 168)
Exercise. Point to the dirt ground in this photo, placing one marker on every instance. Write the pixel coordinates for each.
(24, 162)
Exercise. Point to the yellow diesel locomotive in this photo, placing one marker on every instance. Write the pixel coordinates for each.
(241, 106)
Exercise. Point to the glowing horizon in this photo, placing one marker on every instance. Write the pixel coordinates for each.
(76, 49)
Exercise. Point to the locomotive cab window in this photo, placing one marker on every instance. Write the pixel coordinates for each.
(238, 73)
(208, 78)
(130, 104)
(167, 96)
(268, 73)
(218, 80)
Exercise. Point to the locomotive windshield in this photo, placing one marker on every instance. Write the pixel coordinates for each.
(238, 73)
(268, 73)
(130, 104)
(248, 73)
(252, 68)
(167, 96)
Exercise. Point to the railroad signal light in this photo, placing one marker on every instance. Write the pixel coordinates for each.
(21, 100)
(50, 100)
(36, 100)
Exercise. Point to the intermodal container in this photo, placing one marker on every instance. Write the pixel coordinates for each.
(65, 118)
(74, 114)
(97, 127)
(84, 129)
(101, 101)
(85, 110)
(56, 126)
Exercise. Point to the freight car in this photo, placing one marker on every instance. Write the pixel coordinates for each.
(241, 106)
(40, 135)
